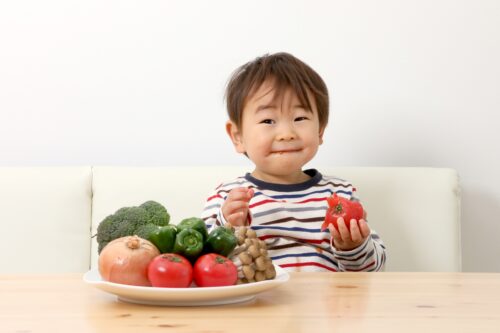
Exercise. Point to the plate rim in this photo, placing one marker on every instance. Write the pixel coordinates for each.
(190, 296)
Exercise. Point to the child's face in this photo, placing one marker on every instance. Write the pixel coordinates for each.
(278, 134)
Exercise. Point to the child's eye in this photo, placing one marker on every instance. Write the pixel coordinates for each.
(301, 118)
(267, 121)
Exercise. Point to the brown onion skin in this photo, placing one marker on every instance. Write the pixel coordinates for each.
(125, 260)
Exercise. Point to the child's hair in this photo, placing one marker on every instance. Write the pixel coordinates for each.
(287, 72)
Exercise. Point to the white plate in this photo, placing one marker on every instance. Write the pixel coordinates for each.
(194, 296)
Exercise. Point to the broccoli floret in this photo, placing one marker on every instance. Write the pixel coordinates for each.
(128, 221)
(157, 213)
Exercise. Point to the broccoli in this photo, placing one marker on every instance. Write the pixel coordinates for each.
(127, 221)
(157, 213)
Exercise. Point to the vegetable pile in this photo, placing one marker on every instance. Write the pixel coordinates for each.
(138, 246)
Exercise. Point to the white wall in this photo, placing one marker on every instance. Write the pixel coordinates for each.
(413, 83)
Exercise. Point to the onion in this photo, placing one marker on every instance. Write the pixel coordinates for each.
(125, 260)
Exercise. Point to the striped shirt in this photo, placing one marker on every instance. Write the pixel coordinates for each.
(289, 217)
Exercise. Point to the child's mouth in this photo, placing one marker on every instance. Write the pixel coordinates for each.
(287, 151)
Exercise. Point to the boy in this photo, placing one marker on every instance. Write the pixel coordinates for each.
(278, 111)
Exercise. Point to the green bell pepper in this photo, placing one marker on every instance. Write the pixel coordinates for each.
(164, 238)
(189, 243)
(222, 241)
(194, 223)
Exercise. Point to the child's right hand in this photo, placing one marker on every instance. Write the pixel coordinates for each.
(235, 208)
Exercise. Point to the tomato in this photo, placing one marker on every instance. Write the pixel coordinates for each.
(170, 270)
(213, 270)
(341, 207)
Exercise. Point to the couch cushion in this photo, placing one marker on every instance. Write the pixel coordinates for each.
(45, 218)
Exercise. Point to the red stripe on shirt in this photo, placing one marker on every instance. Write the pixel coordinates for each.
(310, 263)
(312, 241)
(214, 196)
(263, 202)
(312, 199)
(258, 203)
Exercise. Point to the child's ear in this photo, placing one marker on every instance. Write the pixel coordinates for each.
(321, 132)
(235, 135)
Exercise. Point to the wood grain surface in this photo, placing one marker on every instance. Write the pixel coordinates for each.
(309, 302)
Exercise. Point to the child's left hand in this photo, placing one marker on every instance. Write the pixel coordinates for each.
(345, 239)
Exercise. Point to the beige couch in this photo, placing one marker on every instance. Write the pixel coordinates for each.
(48, 214)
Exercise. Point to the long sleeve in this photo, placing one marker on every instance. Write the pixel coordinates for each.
(212, 214)
(368, 257)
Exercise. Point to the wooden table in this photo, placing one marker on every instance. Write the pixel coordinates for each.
(309, 302)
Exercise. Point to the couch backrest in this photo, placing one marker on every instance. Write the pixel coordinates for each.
(45, 217)
(416, 211)
(48, 214)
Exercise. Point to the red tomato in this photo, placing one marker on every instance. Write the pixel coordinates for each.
(170, 270)
(213, 270)
(341, 207)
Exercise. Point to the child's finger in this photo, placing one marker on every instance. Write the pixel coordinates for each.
(364, 228)
(238, 189)
(235, 206)
(335, 235)
(250, 193)
(237, 219)
(343, 231)
(355, 233)
(240, 193)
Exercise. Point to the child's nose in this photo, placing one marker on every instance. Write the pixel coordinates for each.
(286, 133)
